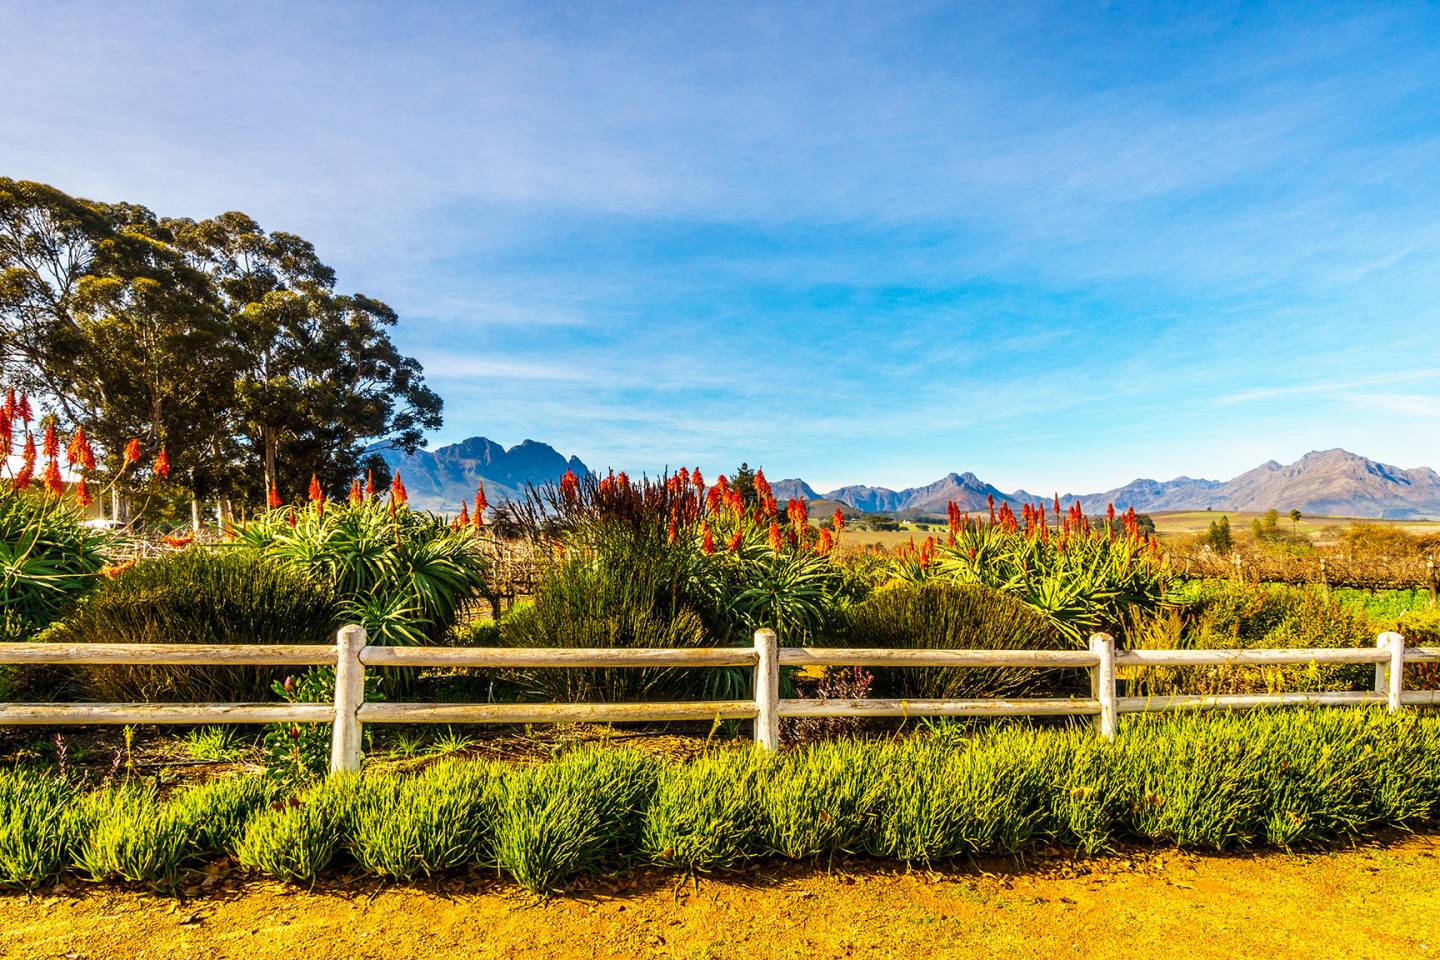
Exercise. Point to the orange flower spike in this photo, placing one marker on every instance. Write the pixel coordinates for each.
(7, 413)
(27, 455)
(132, 453)
(569, 486)
(481, 501)
(23, 476)
(762, 486)
(464, 519)
(735, 541)
(715, 498)
(776, 543)
(292, 518)
(670, 532)
(827, 541)
(51, 446)
(397, 490)
(622, 479)
(369, 484)
(838, 520)
(697, 480)
(273, 499)
(317, 495)
(72, 450)
(23, 411)
(53, 484)
(82, 493)
(357, 492)
(162, 463)
(708, 543)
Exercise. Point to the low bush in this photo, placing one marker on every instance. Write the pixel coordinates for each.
(946, 616)
(197, 596)
(1225, 614)
(1284, 779)
(47, 561)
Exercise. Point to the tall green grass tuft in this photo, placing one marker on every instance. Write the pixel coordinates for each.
(34, 827)
(705, 815)
(572, 816)
(296, 839)
(824, 801)
(437, 820)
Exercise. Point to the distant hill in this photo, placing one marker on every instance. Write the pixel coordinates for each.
(1334, 482)
(442, 478)
(792, 490)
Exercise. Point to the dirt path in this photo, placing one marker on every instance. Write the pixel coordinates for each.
(1375, 901)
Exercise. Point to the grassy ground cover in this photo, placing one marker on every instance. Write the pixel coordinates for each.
(1224, 782)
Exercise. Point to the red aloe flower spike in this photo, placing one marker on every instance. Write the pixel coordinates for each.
(317, 495)
(1057, 503)
(682, 479)
(357, 492)
(292, 518)
(622, 479)
(51, 447)
(464, 519)
(697, 480)
(132, 453)
(715, 498)
(735, 541)
(671, 532)
(72, 452)
(369, 485)
(827, 541)
(569, 485)
(722, 483)
(762, 486)
(397, 490)
(273, 499)
(23, 476)
(53, 484)
(82, 493)
(776, 543)
(27, 454)
(481, 501)
(7, 412)
(162, 463)
(838, 520)
(23, 410)
(708, 543)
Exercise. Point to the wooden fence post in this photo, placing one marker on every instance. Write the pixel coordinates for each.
(1382, 642)
(767, 689)
(1235, 558)
(1395, 643)
(349, 696)
(1102, 683)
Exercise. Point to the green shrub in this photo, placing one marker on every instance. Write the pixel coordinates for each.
(571, 816)
(824, 801)
(587, 604)
(992, 796)
(405, 576)
(1225, 615)
(197, 596)
(298, 838)
(47, 561)
(437, 820)
(705, 814)
(216, 813)
(947, 616)
(34, 827)
(130, 834)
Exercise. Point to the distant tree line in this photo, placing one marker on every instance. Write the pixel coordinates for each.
(227, 344)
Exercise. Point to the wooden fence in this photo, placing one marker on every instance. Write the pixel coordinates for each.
(350, 656)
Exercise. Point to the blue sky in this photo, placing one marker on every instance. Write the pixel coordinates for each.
(1061, 246)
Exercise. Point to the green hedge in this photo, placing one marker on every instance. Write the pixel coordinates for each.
(197, 596)
(1275, 779)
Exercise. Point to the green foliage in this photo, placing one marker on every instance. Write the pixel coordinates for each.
(1226, 615)
(438, 820)
(197, 596)
(298, 838)
(571, 816)
(1218, 537)
(296, 753)
(946, 616)
(705, 815)
(34, 821)
(794, 592)
(1082, 583)
(47, 562)
(404, 576)
(1222, 782)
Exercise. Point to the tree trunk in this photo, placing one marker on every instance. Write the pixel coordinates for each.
(195, 514)
(270, 442)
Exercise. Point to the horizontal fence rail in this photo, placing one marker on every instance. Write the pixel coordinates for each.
(350, 655)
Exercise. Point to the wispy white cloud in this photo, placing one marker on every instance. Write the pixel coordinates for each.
(1326, 387)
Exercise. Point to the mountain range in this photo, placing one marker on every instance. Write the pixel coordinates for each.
(1325, 482)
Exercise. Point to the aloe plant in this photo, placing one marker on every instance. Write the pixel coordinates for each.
(47, 561)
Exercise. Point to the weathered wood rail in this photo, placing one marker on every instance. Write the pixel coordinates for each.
(350, 655)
